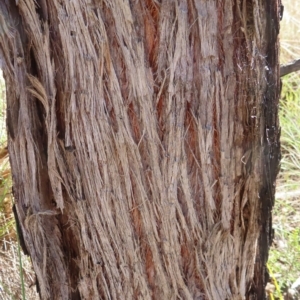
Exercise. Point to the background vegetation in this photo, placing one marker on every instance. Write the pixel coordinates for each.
(284, 259)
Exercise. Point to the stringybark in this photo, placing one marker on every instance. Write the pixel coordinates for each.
(143, 138)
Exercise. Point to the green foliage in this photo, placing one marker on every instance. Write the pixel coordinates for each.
(284, 259)
(7, 222)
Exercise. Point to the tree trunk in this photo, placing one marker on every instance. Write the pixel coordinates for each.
(144, 144)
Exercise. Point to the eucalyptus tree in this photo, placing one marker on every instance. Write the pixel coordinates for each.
(144, 144)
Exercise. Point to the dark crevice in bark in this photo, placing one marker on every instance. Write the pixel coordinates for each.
(71, 251)
(271, 150)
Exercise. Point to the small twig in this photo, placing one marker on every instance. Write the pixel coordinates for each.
(290, 67)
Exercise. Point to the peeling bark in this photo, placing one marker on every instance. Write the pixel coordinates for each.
(144, 144)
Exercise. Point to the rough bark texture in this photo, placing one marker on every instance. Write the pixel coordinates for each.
(143, 138)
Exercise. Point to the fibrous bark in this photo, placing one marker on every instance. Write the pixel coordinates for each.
(143, 138)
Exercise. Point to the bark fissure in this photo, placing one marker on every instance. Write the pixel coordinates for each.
(144, 144)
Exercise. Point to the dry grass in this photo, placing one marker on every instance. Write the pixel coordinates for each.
(10, 279)
(289, 31)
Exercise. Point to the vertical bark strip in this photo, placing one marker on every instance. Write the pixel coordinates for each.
(144, 144)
